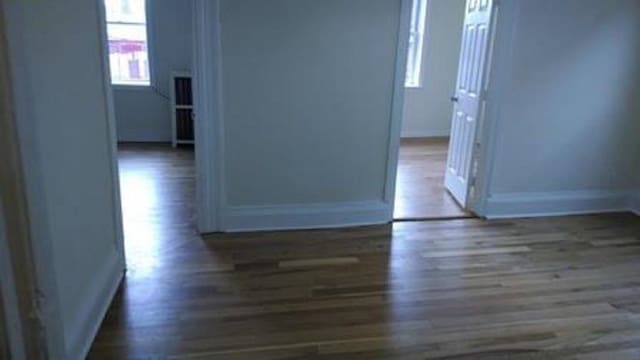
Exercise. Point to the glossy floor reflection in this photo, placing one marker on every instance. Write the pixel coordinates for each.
(157, 185)
(465, 289)
(420, 191)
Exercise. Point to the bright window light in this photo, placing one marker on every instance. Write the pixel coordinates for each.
(127, 37)
(416, 44)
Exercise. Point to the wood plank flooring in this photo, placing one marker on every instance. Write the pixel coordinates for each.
(420, 191)
(553, 288)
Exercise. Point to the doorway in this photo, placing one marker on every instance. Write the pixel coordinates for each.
(444, 103)
(420, 190)
(150, 61)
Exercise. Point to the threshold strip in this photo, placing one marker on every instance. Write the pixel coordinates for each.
(435, 218)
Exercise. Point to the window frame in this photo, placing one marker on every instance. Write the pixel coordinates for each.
(150, 51)
(419, 22)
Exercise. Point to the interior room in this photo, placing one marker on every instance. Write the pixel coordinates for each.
(251, 179)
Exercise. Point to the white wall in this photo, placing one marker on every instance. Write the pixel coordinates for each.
(568, 138)
(427, 111)
(143, 113)
(62, 111)
(307, 99)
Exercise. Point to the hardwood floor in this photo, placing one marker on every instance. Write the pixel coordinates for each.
(420, 191)
(553, 288)
(157, 192)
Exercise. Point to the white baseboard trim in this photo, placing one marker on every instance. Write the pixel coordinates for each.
(517, 205)
(310, 216)
(424, 134)
(90, 317)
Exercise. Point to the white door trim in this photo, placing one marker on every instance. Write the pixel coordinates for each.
(111, 134)
(504, 34)
(397, 106)
(207, 84)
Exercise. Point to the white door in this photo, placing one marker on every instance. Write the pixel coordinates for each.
(467, 100)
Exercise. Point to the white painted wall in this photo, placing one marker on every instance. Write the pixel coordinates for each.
(307, 89)
(142, 113)
(568, 127)
(62, 109)
(427, 111)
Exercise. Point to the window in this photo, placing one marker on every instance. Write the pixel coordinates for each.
(127, 37)
(416, 43)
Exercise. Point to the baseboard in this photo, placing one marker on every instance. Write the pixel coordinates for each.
(516, 205)
(311, 216)
(91, 315)
(424, 134)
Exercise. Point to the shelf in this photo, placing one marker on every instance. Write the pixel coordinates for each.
(181, 105)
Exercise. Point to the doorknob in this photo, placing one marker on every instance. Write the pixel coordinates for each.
(454, 99)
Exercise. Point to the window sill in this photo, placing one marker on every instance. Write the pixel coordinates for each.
(130, 87)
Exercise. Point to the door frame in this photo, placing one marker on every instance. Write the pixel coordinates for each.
(112, 137)
(499, 68)
(397, 105)
(25, 276)
(209, 130)
(503, 28)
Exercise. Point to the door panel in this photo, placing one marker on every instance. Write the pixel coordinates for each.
(468, 99)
